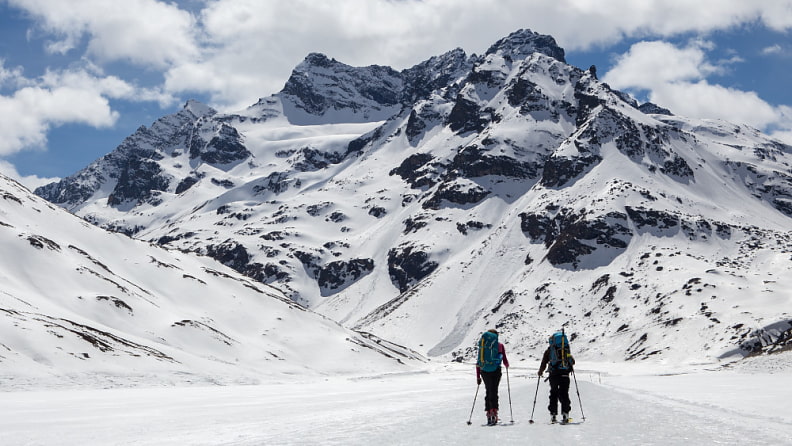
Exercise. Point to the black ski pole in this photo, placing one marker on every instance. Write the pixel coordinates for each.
(531, 421)
(474, 404)
(508, 387)
(578, 394)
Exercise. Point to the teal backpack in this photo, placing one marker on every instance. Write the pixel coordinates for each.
(560, 356)
(489, 358)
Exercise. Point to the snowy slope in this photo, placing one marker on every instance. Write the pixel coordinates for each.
(626, 407)
(506, 190)
(79, 304)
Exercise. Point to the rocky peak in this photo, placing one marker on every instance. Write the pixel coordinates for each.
(435, 73)
(320, 86)
(316, 60)
(198, 109)
(650, 108)
(522, 43)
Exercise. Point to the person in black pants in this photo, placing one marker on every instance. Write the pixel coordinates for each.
(559, 385)
(491, 382)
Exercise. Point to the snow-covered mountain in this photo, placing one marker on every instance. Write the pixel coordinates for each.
(78, 303)
(506, 190)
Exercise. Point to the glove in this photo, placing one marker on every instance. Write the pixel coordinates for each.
(540, 373)
(478, 381)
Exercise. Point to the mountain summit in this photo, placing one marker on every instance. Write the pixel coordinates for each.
(506, 190)
(523, 43)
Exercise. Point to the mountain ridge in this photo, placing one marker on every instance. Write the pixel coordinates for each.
(508, 190)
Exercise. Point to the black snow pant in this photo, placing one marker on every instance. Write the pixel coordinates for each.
(491, 382)
(559, 391)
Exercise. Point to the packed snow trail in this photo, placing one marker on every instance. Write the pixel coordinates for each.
(405, 409)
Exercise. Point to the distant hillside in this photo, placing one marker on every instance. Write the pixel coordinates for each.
(81, 305)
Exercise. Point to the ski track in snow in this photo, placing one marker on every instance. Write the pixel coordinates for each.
(404, 409)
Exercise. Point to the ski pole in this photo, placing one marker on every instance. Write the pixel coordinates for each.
(508, 387)
(474, 404)
(534, 403)
(578, 394)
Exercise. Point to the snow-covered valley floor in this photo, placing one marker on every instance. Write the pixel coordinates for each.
(622, 405)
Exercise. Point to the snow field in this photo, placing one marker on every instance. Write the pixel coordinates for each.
(623, 406)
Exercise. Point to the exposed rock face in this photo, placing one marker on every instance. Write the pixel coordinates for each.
(186, 184)
(770, 339)
(434, 74)
(411, 170)
(320, 85)
(650, 108)
(524, 43)
(138, 182)
(225, 147)
(559, 171)
(407, 265)
(236, 256)
(460, 193)
(135, 169)
(466, 116)
(337, 275)
(569, 236)
(494, 187)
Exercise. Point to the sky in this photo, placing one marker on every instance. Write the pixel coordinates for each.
(77, 77)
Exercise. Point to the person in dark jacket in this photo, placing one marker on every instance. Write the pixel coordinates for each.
(559, 383)
(491, 383)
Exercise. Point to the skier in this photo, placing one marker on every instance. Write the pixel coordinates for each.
(488, 369)
(561, 362)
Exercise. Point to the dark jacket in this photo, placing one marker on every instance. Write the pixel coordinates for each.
(546, 360)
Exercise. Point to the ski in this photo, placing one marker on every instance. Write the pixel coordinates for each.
(561, 422)
(500, 423)
(568, 423)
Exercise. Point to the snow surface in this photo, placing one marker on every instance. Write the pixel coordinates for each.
(80, 305)
(623, 405)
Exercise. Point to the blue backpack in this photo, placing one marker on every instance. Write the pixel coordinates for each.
(489, 358)
(560, 356)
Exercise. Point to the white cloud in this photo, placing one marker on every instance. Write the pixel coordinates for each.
(62, 97)
(783, 130)
(111, 87)
(773, 49)
(239, 50)
(145, 32)
(676, 78)
(704, 100)
(29, 181)
(254, 44)
(72, 96)
(648, 64)
(32, 111)
(784, 136)
(11, 76)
